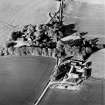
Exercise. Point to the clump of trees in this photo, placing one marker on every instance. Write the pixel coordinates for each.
(40, 37)
(80, 48)
(45, 40)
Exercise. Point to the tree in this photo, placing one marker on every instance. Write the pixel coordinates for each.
(16, 35)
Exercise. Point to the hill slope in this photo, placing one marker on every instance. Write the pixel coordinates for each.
(89, 15)
(98, 64)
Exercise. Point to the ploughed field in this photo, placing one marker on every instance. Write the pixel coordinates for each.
(22, 79)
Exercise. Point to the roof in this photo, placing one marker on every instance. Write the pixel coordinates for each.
(71, 37)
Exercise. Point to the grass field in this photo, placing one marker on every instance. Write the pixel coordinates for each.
(22, 79)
